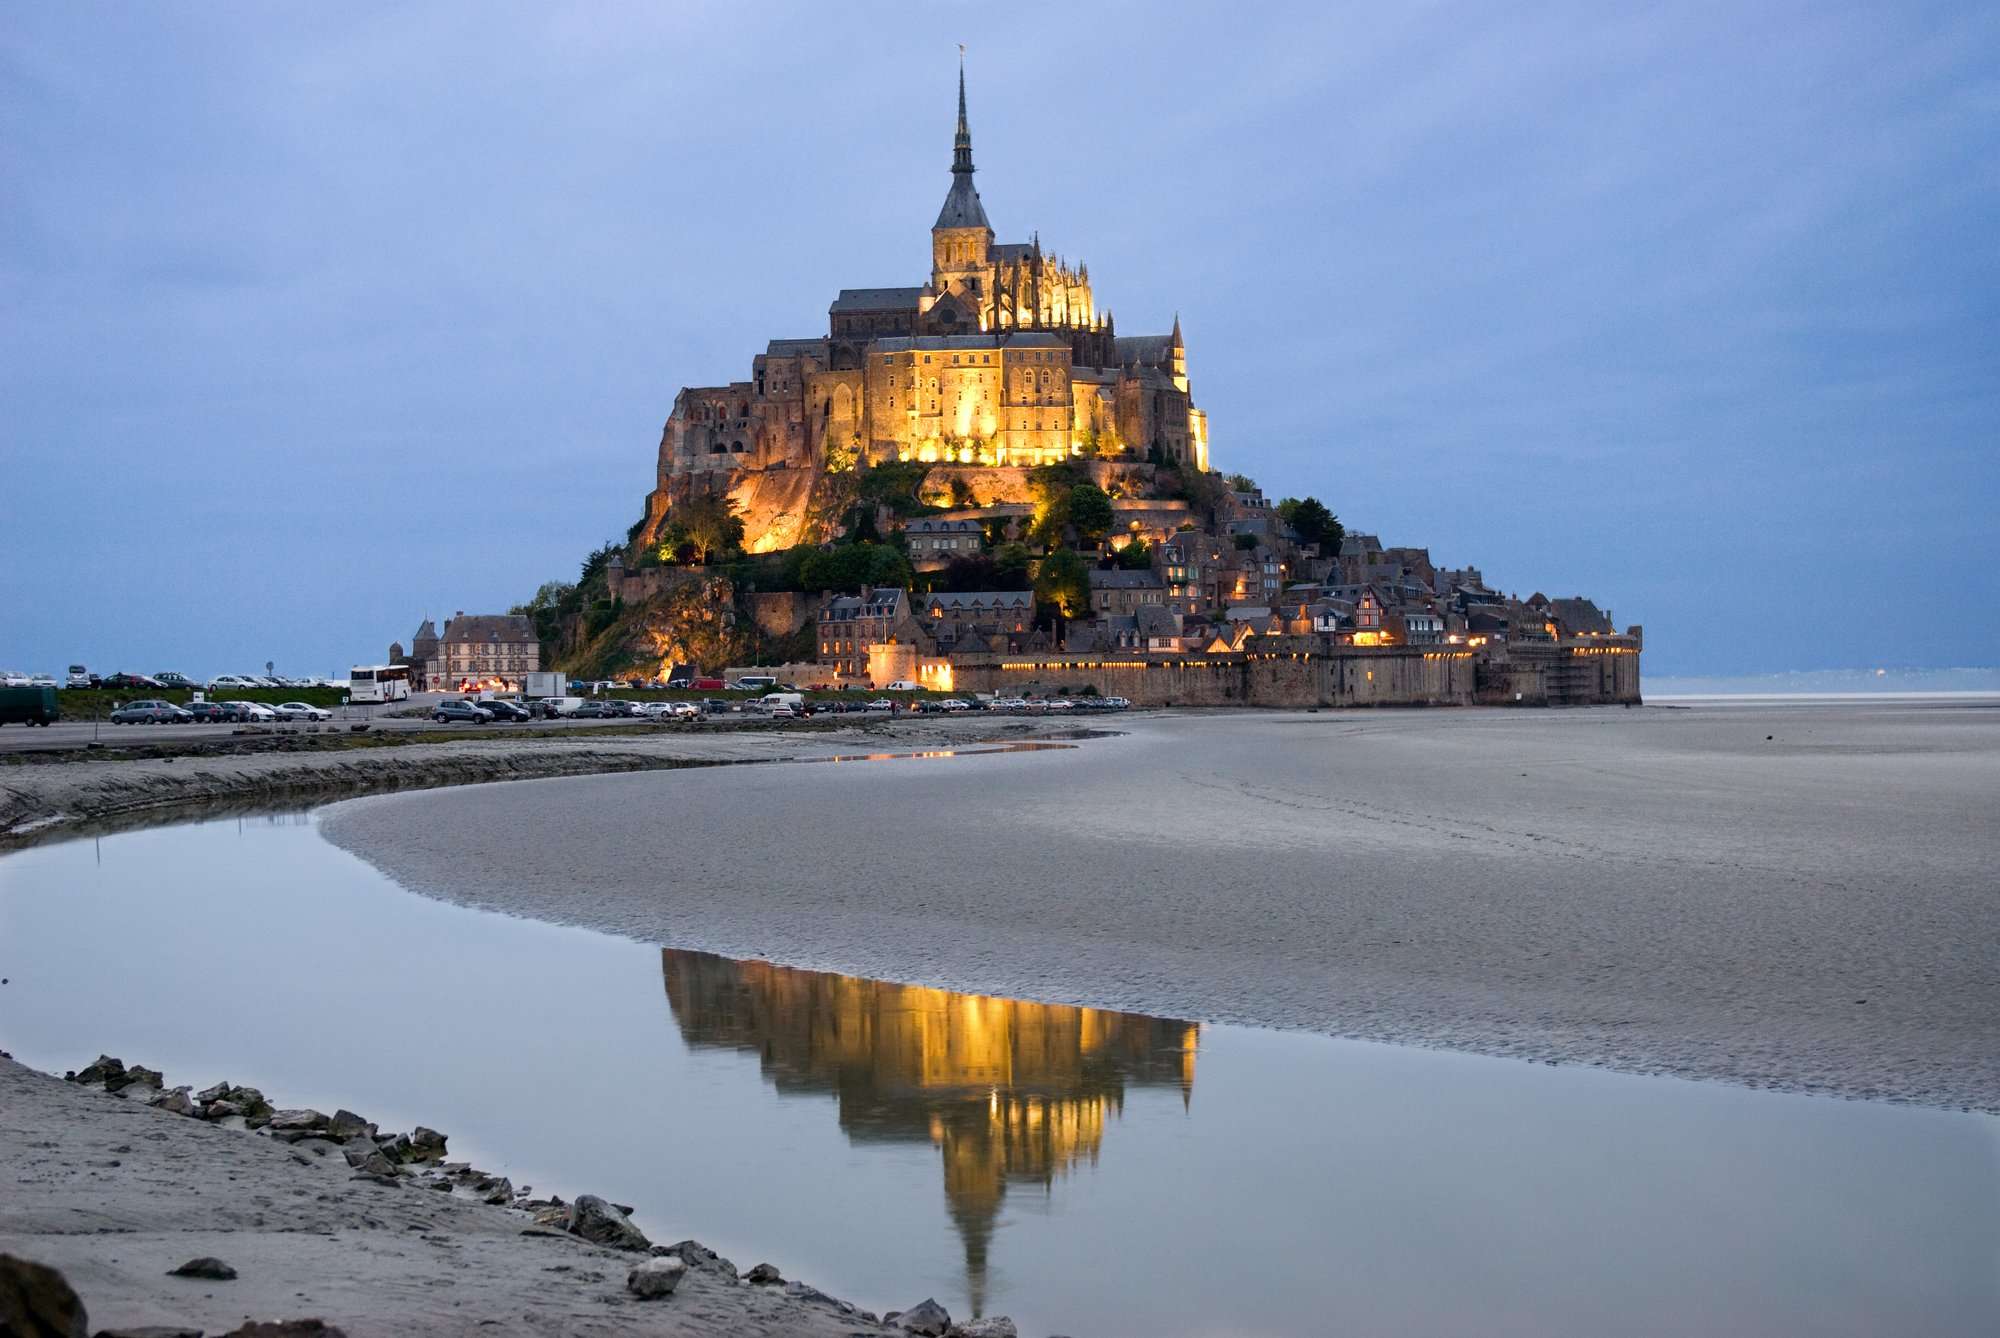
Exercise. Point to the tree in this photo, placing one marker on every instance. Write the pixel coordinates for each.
(711, 524)
(1062, 583)
(1010, 567)
(853, 567)
(599, 559)
(1135, 556)
(1312, 522)
(1090, 514)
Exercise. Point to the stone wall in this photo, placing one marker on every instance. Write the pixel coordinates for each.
(1298, 677)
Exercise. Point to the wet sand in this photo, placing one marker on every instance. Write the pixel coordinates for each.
(1800, 897)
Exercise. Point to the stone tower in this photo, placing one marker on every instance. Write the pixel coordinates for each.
(961, 239)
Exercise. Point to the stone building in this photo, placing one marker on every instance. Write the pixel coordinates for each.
(850, 624)
(485, 646)
(1002, 359)
(936, 540)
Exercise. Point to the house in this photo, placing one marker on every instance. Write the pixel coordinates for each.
(484, 646)
(934, 540)
(850, 624)
(997, 618)
(1125, 591)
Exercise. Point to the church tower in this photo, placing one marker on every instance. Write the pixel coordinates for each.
(961, 240)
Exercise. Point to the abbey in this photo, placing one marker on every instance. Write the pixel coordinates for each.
(1002, 360)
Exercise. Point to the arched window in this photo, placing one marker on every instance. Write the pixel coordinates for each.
(736, 447)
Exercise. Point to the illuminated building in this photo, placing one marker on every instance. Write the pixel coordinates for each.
(1001, 359)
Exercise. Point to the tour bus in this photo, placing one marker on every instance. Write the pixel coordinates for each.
(379, 683)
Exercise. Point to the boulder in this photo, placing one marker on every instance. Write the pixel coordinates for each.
(106, 1070)
(696, 1255)
(363, 1155)
(997, 1326)
(926, 1317)
(177, 1101)
(296, 1121)
(653, 1278)
(35, 1299)
(150, 1331)
(764, 1275)
(220, 1110)
(602, 1224)
(346, 1124)
(500, 1191)
(426, 1144)
(139, 1074)
(285, 1328)
(205, 1267)
(219, 1092)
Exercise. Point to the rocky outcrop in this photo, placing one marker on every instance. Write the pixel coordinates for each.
(651, 1279)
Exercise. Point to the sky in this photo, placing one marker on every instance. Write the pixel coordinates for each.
(322, 320)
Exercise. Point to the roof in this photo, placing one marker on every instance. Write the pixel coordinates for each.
(791, 348)
(980, 601)
(1157, 620)
(1242, 613)
(1146, 350)
(938, 525)
(962, 208)
(879, 299)
(489, 627)
(1120, 579)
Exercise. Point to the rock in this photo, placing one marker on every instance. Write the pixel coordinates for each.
(501, 1191)
(36, 1300)
(106, 1070)
(220, 1110)
(175, 1101)
(346, 1124)
(151, 1331)
(219, 1092)
(285, 1328)
(441, 1183)
(696, 1255)
(804, 1291)
(764, 1275)
(426, 1144)
(364, 1156)
(298, 1120)
(138, 1074)
(557, 1216)
(926, 1317)
(204, 1267)
(601, 1224)
(653, 1278)
(997, 1326)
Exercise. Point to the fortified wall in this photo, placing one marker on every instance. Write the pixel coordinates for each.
(1597, 674)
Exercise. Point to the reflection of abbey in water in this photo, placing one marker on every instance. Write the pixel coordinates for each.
(1007, 1091)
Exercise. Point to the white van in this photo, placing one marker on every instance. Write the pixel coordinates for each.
(772, 700)
(559, 706)
(904, 685)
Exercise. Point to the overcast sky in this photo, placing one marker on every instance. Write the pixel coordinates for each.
(322, 319)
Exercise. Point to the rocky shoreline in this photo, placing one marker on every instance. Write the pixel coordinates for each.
(57, 800)
(166, 1210)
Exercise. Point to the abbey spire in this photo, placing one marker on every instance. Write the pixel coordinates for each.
(961, 206)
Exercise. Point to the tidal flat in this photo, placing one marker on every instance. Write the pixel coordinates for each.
(1800, 897)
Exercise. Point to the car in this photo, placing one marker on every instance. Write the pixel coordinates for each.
(505, 710)
(13, 678)
(43, 681)
(122, 680)
(208, 713)
(252, 713)
(148, 712)
(954, 704)
(167, 678)
(882, 704)
(80, 677)
(446, 712)
(230, 681)
(301, 711)
(595, 710)
(904, 685)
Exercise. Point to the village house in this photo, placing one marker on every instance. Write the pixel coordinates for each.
(934, 541)
(850, 624)
(1125, 591)
(486, 646)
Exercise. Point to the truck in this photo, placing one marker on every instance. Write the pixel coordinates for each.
(543, 685)
(29, 706)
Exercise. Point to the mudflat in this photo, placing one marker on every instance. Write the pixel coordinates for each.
(1796, 896)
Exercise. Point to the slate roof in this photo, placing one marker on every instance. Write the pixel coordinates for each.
(980, 601)
(962, 208)
(1146, 350)
(878, 299)
(994, 339)
(489, 627)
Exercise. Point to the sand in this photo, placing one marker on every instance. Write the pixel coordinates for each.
(1796, 897)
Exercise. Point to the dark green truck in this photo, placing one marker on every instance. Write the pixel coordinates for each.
(29, 706)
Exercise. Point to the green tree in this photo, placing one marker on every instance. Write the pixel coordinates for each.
(1312, 522)
(1135, 556)
(1062, 584)
(850, 567)
(594, 565)
(712, 525)
(1011, 564)
(1090, 514)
